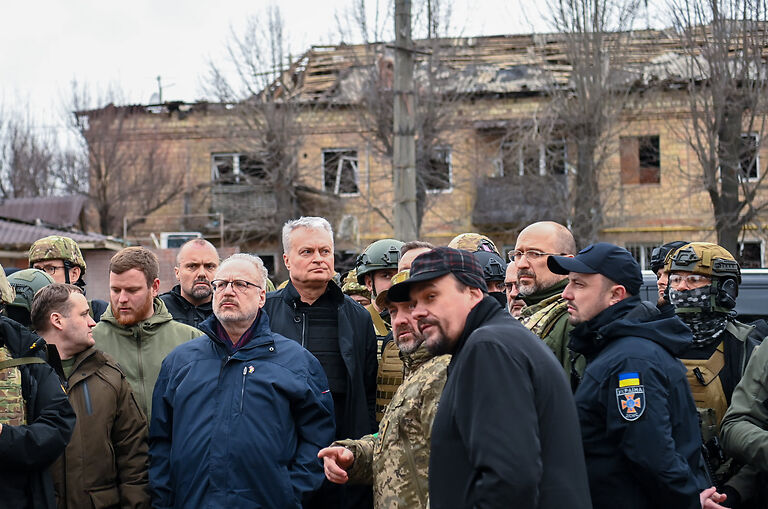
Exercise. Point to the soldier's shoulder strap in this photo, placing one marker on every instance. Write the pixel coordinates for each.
(20, 361)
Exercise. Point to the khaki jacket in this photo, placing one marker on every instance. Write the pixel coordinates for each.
(141, 348)
(105, 463)
(396, 459)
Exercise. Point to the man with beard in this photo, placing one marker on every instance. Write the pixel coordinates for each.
(137, 329)
(190, 301)
(396, 459)
(240, 412)
(637, 417)
(661, 270)
(545, 312)
(505, 432)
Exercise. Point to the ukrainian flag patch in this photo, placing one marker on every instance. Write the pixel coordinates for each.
(629, 379)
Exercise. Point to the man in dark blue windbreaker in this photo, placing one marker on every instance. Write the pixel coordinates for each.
(240, 413)
(638, 420)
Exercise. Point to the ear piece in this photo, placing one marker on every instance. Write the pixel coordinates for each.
(727, 293)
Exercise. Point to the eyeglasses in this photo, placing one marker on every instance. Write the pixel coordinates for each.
(531, 254)
(238, 285)
(50, 269)
(692, 280)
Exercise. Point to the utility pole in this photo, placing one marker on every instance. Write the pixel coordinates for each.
(404, 150)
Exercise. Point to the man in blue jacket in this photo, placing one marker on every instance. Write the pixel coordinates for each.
(240, 413)
(638, 420)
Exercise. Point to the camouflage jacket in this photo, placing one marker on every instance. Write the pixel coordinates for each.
(396, 459)
(546, 315)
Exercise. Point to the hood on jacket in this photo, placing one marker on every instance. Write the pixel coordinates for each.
(148, 327)
(631, 317)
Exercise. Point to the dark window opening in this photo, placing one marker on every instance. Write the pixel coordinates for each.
(340, 171)
(438, 175)
(640, 159)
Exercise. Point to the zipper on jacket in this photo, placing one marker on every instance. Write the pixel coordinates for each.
(303, 328)
(140, 370)
(87, 396)
(242, 389)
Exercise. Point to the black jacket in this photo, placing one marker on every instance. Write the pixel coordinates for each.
(184, 311)
(27, 451)
(357, 343)
(638, 419)
(506, 432)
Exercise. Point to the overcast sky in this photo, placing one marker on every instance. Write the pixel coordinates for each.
(48, 43)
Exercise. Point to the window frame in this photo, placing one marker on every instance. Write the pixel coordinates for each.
(239, 177)
(449, 162)
(355, 165)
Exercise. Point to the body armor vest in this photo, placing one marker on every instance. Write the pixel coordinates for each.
(13, 408)
(388, 378)
(707, 389)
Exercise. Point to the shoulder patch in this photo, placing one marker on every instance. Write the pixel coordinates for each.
(629, 379)
(631, 402)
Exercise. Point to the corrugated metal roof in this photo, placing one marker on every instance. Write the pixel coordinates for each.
(63, 211)
(16, 235)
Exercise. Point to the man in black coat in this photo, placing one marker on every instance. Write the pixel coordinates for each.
(638, 420)
(506, 432)
(189, 301)
(28, 446)
(312, 311)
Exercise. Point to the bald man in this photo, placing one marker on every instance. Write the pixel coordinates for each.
(546, 312)
(189, 301)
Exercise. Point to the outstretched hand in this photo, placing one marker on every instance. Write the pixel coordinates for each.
(710, 499)
(335, 462)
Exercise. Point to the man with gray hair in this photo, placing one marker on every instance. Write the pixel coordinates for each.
(313, 311)
(240, 412)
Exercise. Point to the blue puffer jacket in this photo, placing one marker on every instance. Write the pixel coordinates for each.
(638, 420)
(241, 430)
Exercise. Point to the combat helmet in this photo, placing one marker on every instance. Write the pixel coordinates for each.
(7, 295)
(382, 254)
(57, 247)
(494, 267)
(659, 254)
(716, 262)
(473, 242)
(26, 284)
(351, 286)
(706, 259)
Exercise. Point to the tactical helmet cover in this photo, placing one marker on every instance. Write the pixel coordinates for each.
(473, 242)
(494, 267)
(352, 287)
(26, 284)
(706, 259)
(56, 247)
(379, 255)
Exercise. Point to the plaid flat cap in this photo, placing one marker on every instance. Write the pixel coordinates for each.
(436, 263)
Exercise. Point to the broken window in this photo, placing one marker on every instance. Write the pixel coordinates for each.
(236, 168)
(340, 171)
(640, 159)
(437, 177)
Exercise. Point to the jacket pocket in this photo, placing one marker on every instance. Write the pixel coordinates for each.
(103, 498)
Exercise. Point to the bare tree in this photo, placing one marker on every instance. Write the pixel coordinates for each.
(587, 110)
(27, 158)
(725, 43)
(127, 176)
(265, 129)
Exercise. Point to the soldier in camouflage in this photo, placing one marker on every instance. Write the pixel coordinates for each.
(396, 459)
(358, 292)
(36, 419)
(62, 259)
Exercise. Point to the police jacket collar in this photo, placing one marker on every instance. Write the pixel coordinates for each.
(546, 293)
(630, 317)
(291, 295)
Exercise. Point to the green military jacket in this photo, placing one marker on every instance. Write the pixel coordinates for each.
(546, 315)
(396, 459)
(141, 348)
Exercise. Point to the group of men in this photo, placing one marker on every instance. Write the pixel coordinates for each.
(542, 382)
